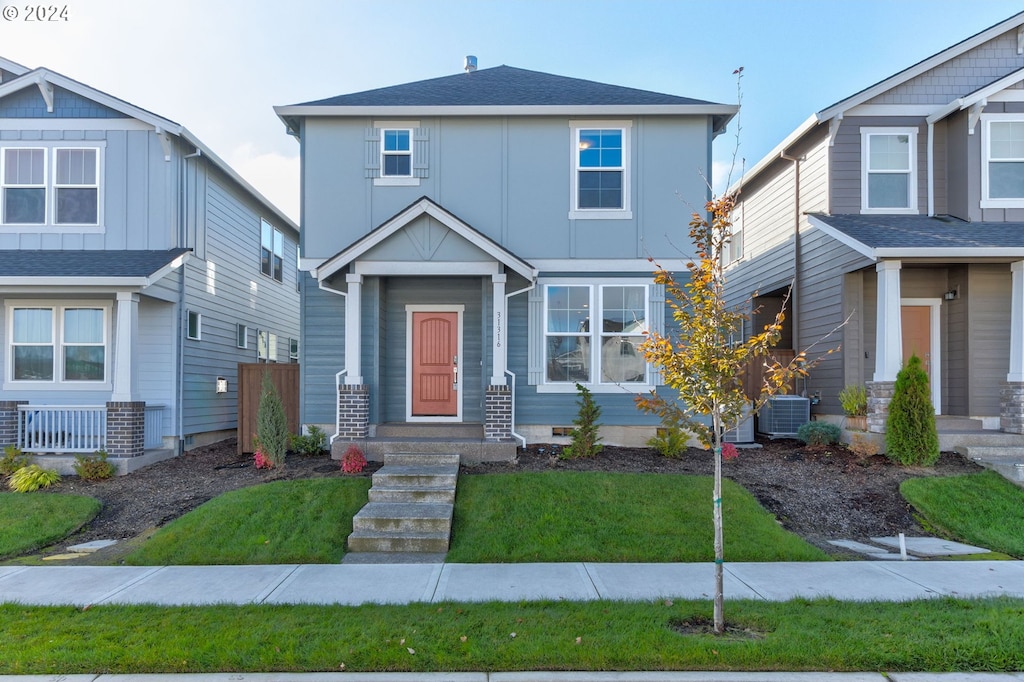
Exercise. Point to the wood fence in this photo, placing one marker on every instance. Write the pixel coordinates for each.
(285, 378)
(754, 375)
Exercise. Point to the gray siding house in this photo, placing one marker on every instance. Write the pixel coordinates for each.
(475, 245)
(136, 270)
(901, 209)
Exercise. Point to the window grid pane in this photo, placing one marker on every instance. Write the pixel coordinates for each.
(889, 152)
(1006, 140)
(25, 167)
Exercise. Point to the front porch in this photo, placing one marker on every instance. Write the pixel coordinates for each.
(466, 440)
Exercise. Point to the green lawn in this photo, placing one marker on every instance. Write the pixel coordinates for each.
(980, 509)
(29, 521)
(929, 635)
(574, 516)
(285, 522)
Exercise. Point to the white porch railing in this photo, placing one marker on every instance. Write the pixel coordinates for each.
(62, 428)
(154, 428)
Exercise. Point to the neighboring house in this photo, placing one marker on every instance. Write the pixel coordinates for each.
(136, 269)
(901, 209)
(477, 244)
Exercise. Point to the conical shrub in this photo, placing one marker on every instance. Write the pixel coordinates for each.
(910, 435)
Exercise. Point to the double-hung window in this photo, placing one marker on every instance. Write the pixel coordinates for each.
(396, 153)
(888, 170)
(593, 333)
(1002, 169)
(600, 175)
(55, 186)
(271, 251)
(58, 343)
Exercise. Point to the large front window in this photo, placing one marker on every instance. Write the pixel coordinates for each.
(889, 178)
(1003, 165)
(593, 334)
(600, 180)
(66, 344)
(50, 186)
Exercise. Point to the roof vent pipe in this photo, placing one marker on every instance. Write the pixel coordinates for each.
(469, 63)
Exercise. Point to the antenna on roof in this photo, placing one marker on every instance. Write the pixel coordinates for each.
(469, 64)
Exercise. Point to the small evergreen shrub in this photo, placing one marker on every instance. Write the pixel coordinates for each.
(272, 424)
(94, 467)
(670, 441)
(353, 461)
(12, 460)
(32, 477)
(819, 433)
(585, 437)
(911, 438)
(313, 443)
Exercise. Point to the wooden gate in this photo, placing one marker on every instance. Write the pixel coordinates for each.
(285, 378)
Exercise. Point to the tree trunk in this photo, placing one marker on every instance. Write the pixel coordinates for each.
(719, 542)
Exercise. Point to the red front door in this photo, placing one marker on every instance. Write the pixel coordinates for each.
(435, 364)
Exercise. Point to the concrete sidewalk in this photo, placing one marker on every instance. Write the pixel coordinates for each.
(353, 584)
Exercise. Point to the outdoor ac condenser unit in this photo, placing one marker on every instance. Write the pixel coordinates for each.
(744, 431)
(783, 415)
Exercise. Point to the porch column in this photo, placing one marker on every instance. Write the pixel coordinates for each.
(888, 344)
(353, 339)
(127, 329)
(1011, 418)
(499, 326)
(888, 330)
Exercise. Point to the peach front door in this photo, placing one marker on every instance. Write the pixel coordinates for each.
(917, 335)
(435, 364)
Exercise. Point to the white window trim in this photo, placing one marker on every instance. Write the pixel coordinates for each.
(865, 135)
(199, 325)
(624, 213)
(58, 383)
(986, 121)
(243, 331)
(49, 224)
(398, 180)
(274, 235)
(595, 286)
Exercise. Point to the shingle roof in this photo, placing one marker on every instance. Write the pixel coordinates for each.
(503, 86)
(925, 232)
(115, 264)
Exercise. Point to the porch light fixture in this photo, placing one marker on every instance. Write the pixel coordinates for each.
(222, 385)
(951, 295)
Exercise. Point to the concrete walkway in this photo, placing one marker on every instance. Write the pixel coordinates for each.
(353, 584)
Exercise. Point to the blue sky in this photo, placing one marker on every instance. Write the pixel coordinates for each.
(219, 66)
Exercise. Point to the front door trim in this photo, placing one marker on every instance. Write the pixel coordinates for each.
(936, 344)
(430, 308)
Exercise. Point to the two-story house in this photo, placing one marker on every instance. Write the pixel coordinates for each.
(476, 245)
(137, 269)
(900, 210)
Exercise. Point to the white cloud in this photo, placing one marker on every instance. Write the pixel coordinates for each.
(275, 175)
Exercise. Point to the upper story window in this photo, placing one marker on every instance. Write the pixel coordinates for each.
(397, 152)
(600, 175)
(57, 187)
(1002, 169)
(888, 170)
(732, 250)
(593, 333)
(59, 344)
(271, 251)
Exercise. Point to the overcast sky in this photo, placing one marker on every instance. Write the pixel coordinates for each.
(219, 66)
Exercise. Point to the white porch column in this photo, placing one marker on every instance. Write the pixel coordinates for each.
(499, 331)
(888, 330)
(125, 382)
(1017, 323)
(353, 324)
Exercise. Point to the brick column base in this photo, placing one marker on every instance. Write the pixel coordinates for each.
(353, 412)
(498, 414)
(126, 429)
(879, 396)
(9, 422)
(1011, 416)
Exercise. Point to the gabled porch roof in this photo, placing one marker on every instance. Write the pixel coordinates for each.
(918, 236)
(393, 226)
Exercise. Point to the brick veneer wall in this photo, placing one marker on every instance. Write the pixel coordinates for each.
(879, 396)
(353, 412)
(498, 413)
(1011, 418)
(9, 421)
(126, 429)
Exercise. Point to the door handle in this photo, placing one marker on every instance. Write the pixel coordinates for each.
(455, 371)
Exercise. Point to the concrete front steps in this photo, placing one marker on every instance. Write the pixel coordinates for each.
(408, 518)
(1007, 460)
(462, 439)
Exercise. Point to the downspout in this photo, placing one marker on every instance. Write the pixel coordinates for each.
(512, 429)
(339, 375)
(794, 294)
